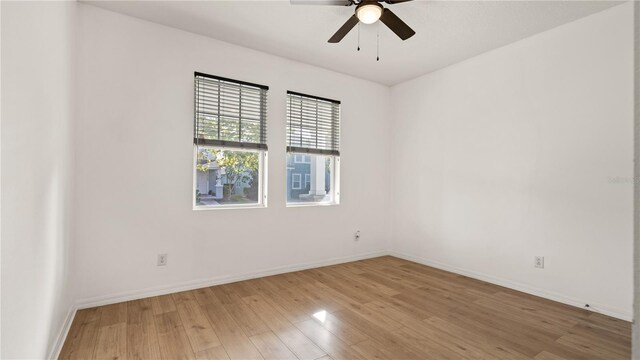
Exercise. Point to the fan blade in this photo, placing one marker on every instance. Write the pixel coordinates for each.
(395, 1)
(344, 30)
(321, 2)
(396, 25)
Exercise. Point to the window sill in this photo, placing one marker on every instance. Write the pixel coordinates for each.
(295, 205)
(229, 207)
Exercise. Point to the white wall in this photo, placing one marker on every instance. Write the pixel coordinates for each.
(37, 88)
(134, 164)
(509, 155)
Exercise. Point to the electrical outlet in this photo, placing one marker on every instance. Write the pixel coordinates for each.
(538, 262)
(357, 235)
(162, 259)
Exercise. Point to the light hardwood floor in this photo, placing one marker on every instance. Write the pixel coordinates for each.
(382, 308)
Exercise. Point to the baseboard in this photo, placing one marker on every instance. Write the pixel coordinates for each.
(191, 285)
(62, 335)
(616, 313)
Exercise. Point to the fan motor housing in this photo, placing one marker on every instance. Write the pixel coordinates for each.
(369, 11)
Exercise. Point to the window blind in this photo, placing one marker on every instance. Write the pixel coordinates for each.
(313, 124)
(230, 113)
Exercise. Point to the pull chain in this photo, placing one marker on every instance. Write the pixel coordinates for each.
(378, 43)
(358, 36)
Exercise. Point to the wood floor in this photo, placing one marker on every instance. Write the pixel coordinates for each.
(383, 308)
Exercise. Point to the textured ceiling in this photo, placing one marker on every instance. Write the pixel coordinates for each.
(447, 31)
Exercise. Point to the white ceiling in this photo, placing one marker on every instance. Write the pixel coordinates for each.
(446, 31)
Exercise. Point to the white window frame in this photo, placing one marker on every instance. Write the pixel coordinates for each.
(293, 181)
(307, 180)
(262, 180)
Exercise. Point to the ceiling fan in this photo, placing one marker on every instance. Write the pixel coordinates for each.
(367, 12)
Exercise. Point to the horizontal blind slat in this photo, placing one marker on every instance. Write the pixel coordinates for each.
(229, 113)
(313, 124)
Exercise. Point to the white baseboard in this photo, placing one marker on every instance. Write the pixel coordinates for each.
(62, 335)
(197, 284)
(606, 310)
(191, 285)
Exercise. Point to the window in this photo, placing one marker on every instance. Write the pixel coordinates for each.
(296, 183)
(230, 143)
(301, 159)
(313, 133)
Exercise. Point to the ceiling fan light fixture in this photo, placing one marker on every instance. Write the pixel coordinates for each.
(369, 13)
